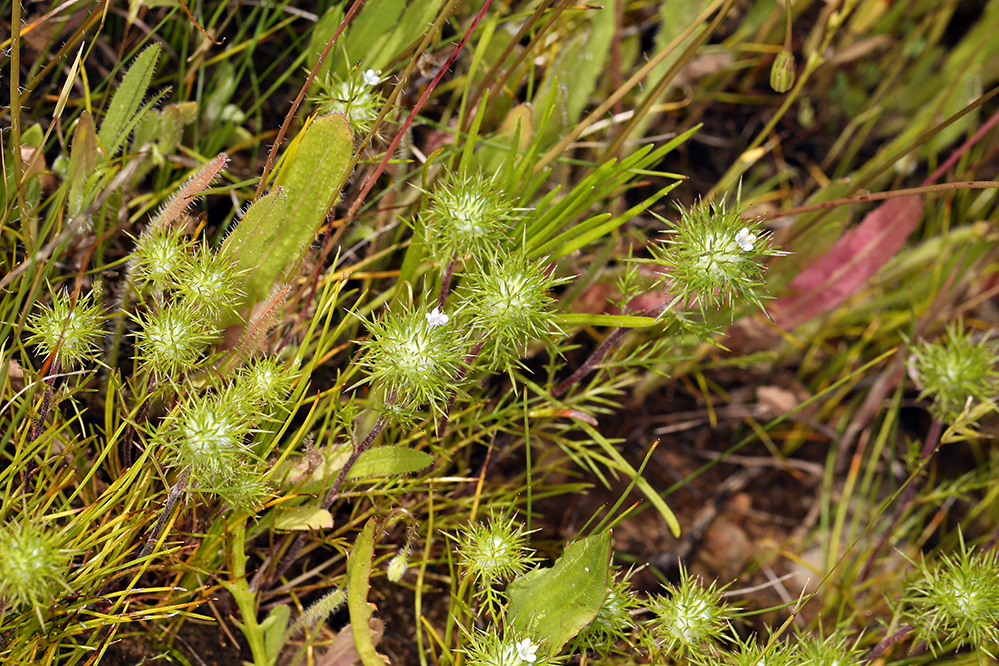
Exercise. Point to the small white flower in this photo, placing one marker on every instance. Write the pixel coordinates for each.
(527, 650)
(745, 240)
(371, 77)
(437, 318)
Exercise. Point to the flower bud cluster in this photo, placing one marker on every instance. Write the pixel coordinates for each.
(415, 360)
(956, 600)
(510, 304)
(171, 339)
(952, 371)
(711, 257)
(689, 617)
(32, 565)
(194, 288)
(210, 434)
(160, 254)
(492, 553)
(71, 331)
(467, 217)
(490, 648)
(356, 96)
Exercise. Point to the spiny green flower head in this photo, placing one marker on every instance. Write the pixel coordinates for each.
(172, 339)
(955, 370)
(467, 216)
(69, 330)
(613, 623)
(416, 356)
(957, 600)
(488, 648)
(496, 550)
(754, 651)
(357, 97)
(689, 617)
(510, 303)
(210, 281)
(209, 436)
(263, 384)
(711, 257)
(836, 650)
(160, 256)
(32, 565)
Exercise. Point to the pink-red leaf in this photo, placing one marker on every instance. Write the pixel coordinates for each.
(852, 261)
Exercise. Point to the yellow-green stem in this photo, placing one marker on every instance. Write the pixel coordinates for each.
(246, 600)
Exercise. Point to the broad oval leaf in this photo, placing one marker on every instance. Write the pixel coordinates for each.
(555, 604)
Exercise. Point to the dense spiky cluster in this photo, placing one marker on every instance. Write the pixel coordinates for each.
(468, 217)
(71, 331)
(356, 96)
(511, 305)
(415, 360)
(955, 369)
(32, 565)
(711, 257)
(956, 600)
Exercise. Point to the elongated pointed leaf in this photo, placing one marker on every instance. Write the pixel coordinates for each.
(277, 229)
(127, 99)
(619, 321)
(83, 161)
(189, 191)
(389, 461)
(359, 580)
(303, 518)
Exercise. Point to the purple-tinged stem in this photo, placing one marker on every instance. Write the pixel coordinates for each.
(888, 641)
(445, 284)
(600, 352)
(261, 580)
(932, 441)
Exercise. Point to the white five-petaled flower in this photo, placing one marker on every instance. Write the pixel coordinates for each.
(437, 318)
(745, 240)
(527, 650)
(371, 77)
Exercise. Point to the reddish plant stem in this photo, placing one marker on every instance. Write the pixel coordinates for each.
(888, 641)
(261, 580)
(600, 352)
(370, 182)
(956, 155)
(881, 196)
(462, 373)
(301, 95)
(445, 284)
(932, 441)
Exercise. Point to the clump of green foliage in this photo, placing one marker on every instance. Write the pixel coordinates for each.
(251, 373)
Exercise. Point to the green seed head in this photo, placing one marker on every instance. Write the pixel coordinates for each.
(32, 565)
(782, 72)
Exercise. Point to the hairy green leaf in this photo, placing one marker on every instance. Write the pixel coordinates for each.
(359, 580)
(303, 518)
(277, 228)
(127, 99)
